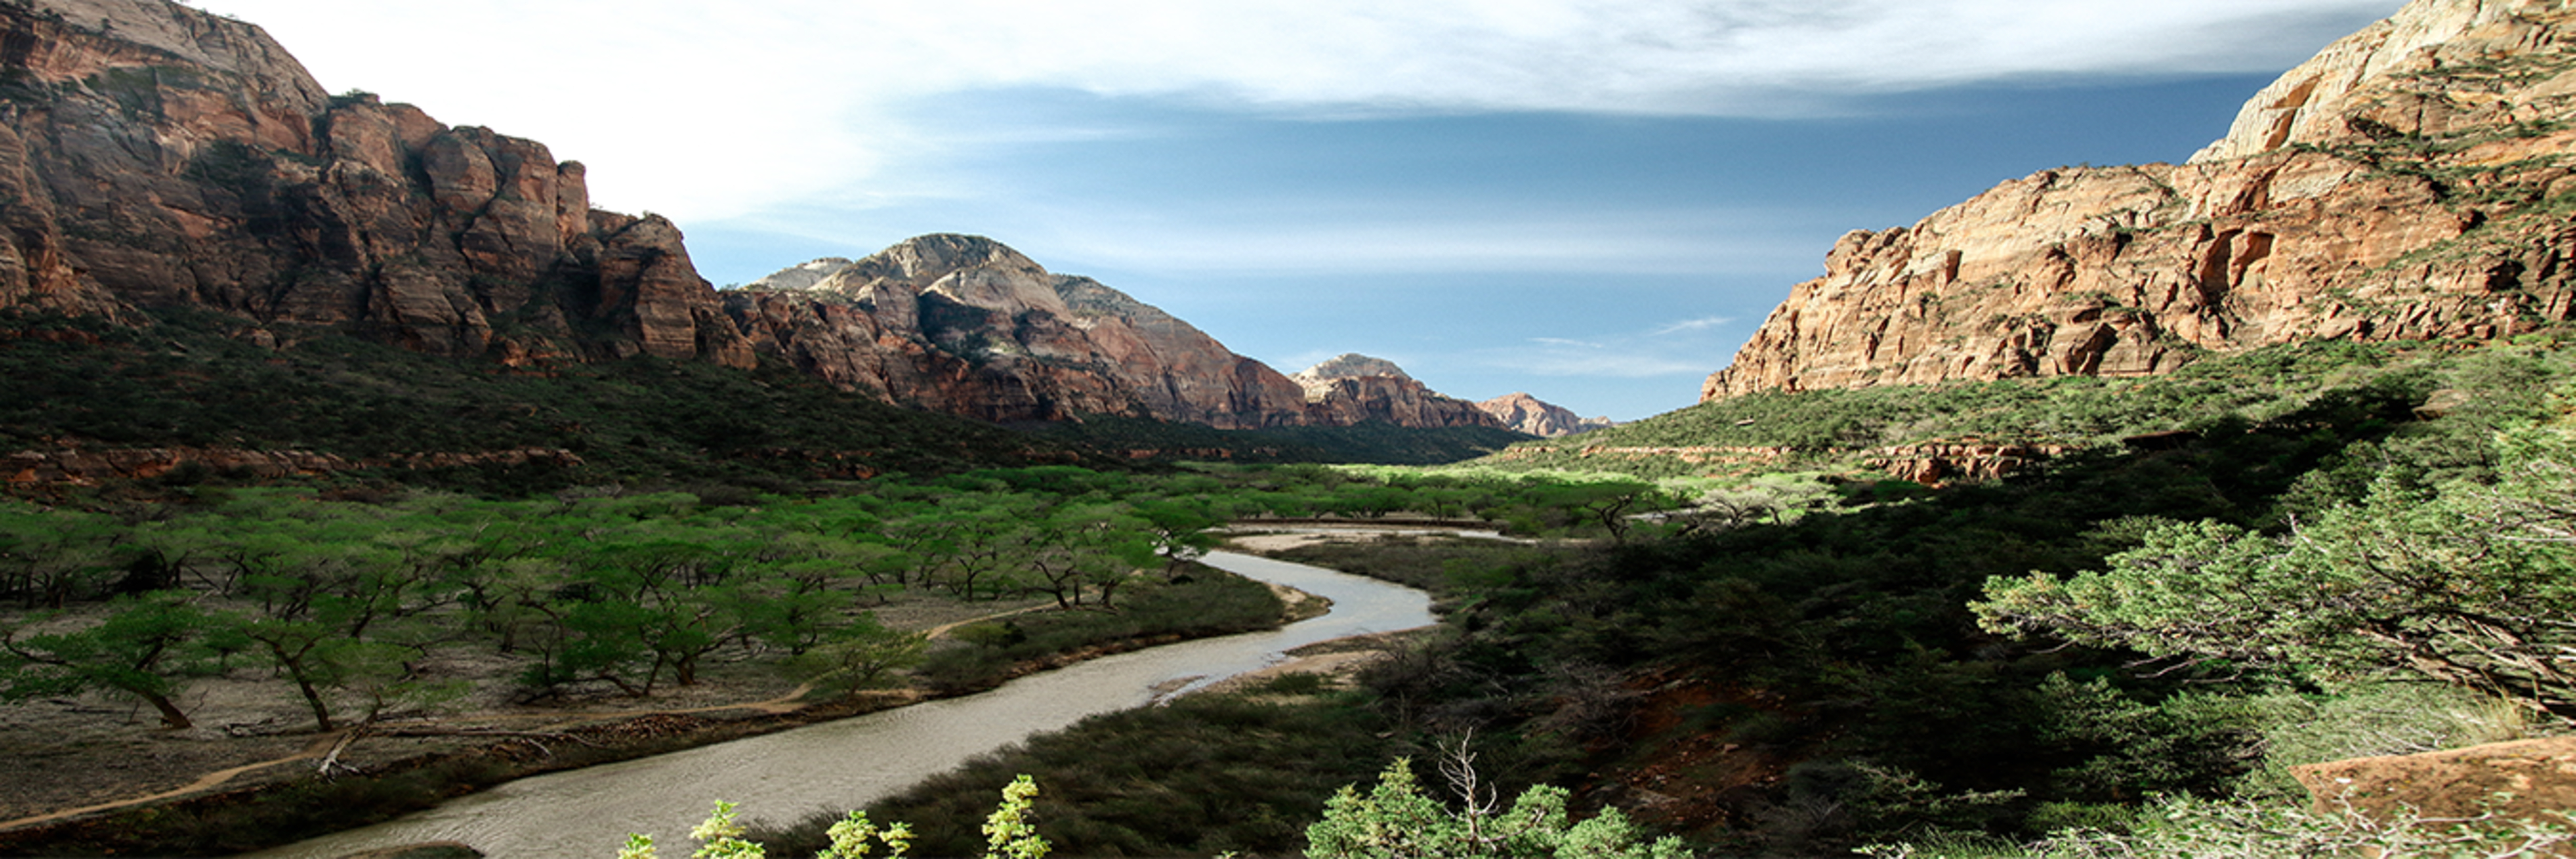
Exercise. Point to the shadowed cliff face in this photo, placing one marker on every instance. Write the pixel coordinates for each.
(155, 156)
(2411, 182)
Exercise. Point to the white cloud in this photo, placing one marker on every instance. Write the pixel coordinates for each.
(1621, 356)
(707, 110)
(1701, 324)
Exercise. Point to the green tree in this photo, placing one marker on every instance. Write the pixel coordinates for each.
(145, 649)
(858, 655)
(2468, 584)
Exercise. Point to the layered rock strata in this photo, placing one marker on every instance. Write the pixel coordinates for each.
(962, 324)
(2416, 180)
(1528, 414)
(152, 155)
(1354, 389)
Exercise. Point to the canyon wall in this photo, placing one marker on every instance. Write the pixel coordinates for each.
(2412, 182)
(155, 156)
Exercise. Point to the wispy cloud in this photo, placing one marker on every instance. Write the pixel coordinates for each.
(1701, 324)
(1655, 353)
(708, 110)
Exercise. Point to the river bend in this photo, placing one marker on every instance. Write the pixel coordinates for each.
(835, 766)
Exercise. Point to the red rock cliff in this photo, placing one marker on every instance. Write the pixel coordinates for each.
(153, 155)
(2411, 182)
(1354, 389)
(962, 324)
(1525, 413)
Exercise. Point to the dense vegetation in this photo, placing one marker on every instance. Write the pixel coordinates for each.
(1815, 678)
(1840, 427)
(1797, 661)
(199, 380)
(194, 379)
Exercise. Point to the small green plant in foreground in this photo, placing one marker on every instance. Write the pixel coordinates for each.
(1009, 832)
(1396, 820)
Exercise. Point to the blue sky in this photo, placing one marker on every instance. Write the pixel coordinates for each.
(1594, 202)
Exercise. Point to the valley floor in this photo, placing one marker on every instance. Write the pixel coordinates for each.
(64, 759)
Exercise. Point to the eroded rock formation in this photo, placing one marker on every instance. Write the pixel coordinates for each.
(1354, 389)
(2411, 182)
(152, 155)
(1528, 414)
(962, 324)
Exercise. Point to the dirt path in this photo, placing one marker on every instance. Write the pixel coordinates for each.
(941, 631)
(320, 746)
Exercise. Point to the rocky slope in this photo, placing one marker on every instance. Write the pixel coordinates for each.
(1353, 389)
(153, 156)
(157, 156)
(2412, 182)
(962, 324)
(1540, 418)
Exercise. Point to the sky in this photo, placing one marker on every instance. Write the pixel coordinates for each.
(1592, 201)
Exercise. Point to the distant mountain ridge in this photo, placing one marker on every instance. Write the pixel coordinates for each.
(966, 325)
(2411, 182)
(1353, 388)
(155, 157)
(1540, 418)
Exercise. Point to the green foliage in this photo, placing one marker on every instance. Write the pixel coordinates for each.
(1206, 774)
(146, 647)
(2467, 584)
(1013, 835)
(1201, 605)
(2369, 720)
(1838, 428)
(1397, 819)
(1008, 831)
(189, 381)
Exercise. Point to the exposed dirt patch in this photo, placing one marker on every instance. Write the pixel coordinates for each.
(64, 758)
(1688, 777)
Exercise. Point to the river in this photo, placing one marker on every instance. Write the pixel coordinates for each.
(836, 766)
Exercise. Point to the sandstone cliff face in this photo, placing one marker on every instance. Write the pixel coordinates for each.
(153, 155)
(1528, 414)
(1355, 389)
(2412, 182)
(962, 324)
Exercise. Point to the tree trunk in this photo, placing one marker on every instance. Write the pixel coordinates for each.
(170, 716)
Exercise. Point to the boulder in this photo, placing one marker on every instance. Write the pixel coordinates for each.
(2529, 779)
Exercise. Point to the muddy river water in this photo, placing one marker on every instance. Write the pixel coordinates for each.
(836, 766)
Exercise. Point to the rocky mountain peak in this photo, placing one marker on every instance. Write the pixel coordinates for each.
(110, 34)
(2368, 84)
(1525, 413)
(2407, 184)
(1348, 365)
